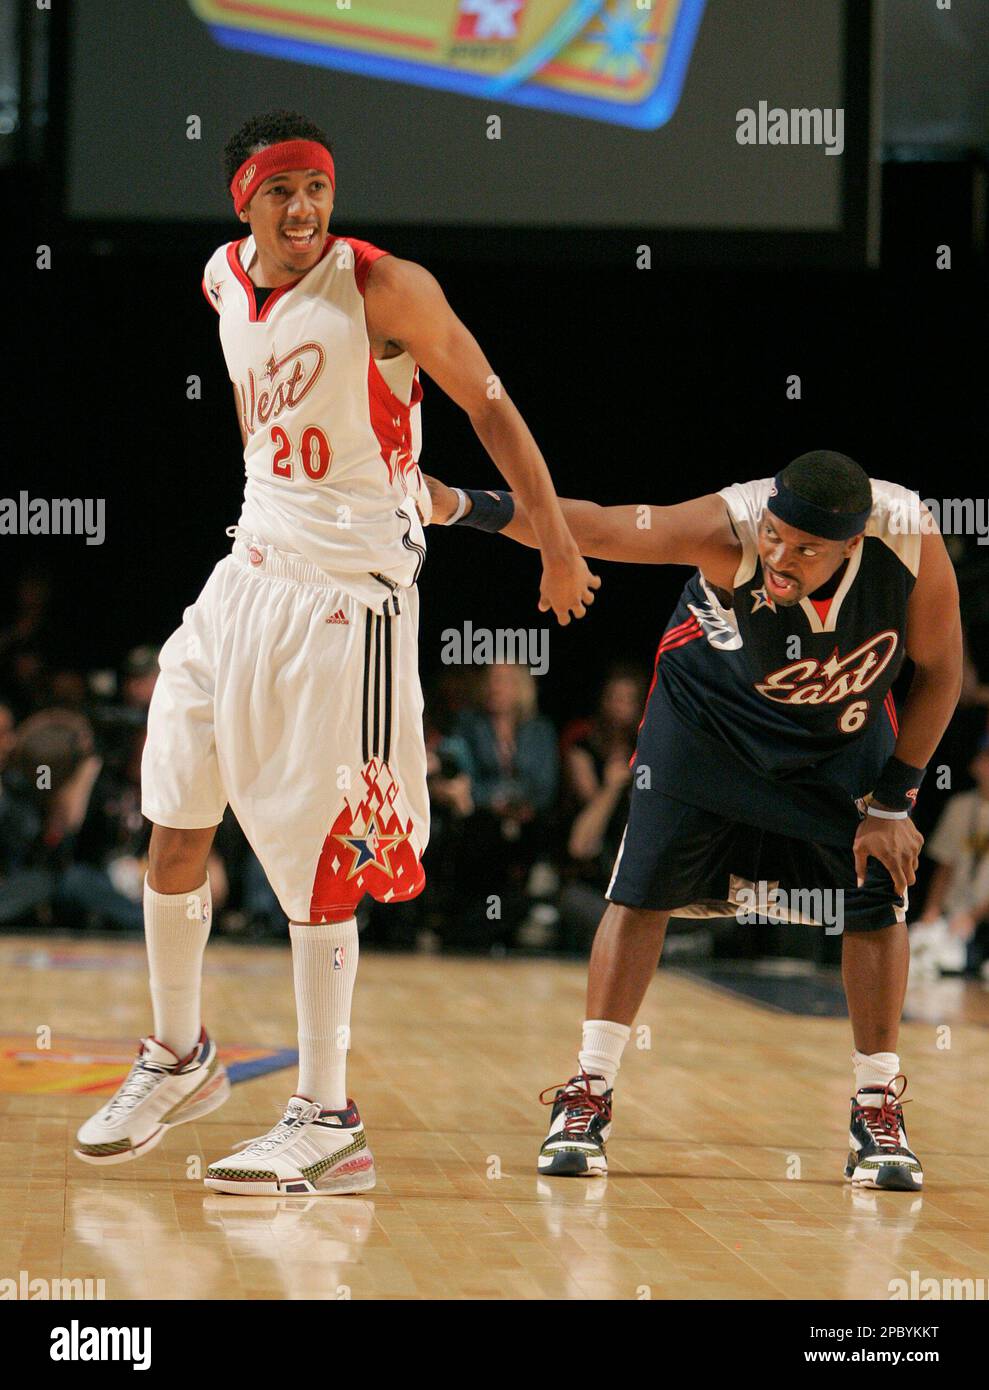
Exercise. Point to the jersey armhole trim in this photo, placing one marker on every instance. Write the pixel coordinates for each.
(746, 566)
(365, 255)
(209, 297)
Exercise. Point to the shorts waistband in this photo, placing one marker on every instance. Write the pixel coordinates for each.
(265, 558)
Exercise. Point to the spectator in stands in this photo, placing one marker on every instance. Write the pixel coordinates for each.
(448, 778)
(974, 691)
(31, 607)
(510, 755)
(140, 677)
(7, 725)
(25, 678)
(46, 788)
(597, 782)
(511, 749)
(432, 918)
(112, 845)
(956, 910)
(28, 646)
(67, 689)
(114, 837)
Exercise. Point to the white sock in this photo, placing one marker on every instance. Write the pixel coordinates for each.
(874, 1070)
(601, 1051)
(176, 929)
(324, 963)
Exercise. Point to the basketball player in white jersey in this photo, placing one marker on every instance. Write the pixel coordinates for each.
(291, 688)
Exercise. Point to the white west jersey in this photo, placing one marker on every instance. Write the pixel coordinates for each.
(333, 436)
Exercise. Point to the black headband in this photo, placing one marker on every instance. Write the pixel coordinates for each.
(815, 520)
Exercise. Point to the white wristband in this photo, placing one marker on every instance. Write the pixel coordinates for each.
(887, 815)
(461, 507)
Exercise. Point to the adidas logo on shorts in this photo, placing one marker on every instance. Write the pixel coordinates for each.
(338, 617)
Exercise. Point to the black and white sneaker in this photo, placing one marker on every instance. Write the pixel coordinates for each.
(578, 1130)
(879, 1154)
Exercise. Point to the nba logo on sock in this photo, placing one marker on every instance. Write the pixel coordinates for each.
(337, 957)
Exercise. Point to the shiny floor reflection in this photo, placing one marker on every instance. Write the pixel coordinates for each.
(726, 1157)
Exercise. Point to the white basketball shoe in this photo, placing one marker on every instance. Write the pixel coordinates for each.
(935, 950)
(310, 1150)
(160, 1090)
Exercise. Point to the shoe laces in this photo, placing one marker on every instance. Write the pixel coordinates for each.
(140, 1082)
(581, 1104)
(883, 1121)
(284, 1130)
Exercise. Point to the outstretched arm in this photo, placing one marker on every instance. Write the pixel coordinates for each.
(404, 304)
(696, 533)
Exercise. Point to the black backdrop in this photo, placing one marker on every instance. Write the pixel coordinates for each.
(639, 385)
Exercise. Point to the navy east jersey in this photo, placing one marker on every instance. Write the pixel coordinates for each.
(784, 717)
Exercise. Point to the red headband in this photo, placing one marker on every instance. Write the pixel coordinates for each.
(278, 159)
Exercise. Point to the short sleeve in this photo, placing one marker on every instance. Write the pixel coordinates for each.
(365, 256)
(745, 503)
(898, 521)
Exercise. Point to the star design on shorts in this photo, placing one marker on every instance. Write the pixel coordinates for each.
(762, 600)
(372, 847)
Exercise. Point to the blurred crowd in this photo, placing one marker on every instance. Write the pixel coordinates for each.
(527, 814)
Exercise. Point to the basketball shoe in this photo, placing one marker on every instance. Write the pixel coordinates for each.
(879, 1155)
(309, 1151)
(935, 950)
(160, 1090)
(578, 1130)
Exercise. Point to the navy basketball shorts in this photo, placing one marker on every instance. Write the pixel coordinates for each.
(694, 863)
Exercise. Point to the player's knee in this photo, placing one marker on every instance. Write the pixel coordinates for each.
(177, 858)
(635, 918)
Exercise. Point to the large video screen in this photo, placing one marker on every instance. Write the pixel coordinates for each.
(680, 114)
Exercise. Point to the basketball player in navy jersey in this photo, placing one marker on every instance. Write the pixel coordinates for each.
(770, 753)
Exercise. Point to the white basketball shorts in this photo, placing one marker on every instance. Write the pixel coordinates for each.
(285, 696)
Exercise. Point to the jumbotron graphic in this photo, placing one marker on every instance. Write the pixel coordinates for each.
(621, 61)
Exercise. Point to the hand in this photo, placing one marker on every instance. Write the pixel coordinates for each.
(444, 500)
(72, 801)
(962, 924)
(617, 772)
(455, 792)
(895, 843)
(567, 586)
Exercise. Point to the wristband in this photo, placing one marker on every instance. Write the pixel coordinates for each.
(461, 507)
(898, 785)
(887, 815)
(490, 511)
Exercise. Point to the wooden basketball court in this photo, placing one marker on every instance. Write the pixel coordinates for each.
(725, 1161)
